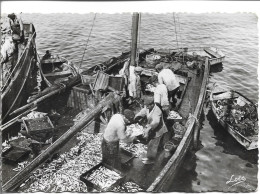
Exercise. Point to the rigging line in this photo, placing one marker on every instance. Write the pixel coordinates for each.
(180, 35)
(88, 40)
(175, 31)
(178, 18)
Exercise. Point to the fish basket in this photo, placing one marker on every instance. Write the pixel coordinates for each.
(87, 79)
(91, 185)
(38, 125)
(15, 154)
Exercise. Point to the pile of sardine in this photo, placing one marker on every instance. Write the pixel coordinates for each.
(149, 88)
(137, 149)
(62, 174)
(134, 130)
(104, 177)
(34, 114)
(129, 187)
(21, 166)
(174, 115)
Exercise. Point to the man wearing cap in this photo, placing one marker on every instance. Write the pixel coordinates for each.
(155, 129)
(114, 132)
(167, 77)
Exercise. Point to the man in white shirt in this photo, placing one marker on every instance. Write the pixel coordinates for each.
(114, 132)
(167, 77)
(160, 95)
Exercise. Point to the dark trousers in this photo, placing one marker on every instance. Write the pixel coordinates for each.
(110, 154)
(155, 145)
(171, 95)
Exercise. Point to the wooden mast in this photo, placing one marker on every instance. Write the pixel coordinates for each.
(135, 22)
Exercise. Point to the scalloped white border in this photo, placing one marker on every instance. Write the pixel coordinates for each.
(124, 6)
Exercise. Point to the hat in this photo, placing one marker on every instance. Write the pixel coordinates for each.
(159, 66)
(12, 16)
(148, 100)
(138, 69)
(130, 115)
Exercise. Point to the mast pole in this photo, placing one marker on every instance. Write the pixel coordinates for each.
(135, 22)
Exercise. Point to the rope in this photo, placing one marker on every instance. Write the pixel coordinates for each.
(88, 39)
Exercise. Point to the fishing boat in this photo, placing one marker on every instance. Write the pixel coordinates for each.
(56, 69)
(22, 80)
(85, 110)
(237, 115)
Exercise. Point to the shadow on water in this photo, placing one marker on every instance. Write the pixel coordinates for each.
(229, 144)
(216, 68)
(187, 172)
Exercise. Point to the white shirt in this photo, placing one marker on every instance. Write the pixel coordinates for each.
(115, 129)
(167, 77)
(7, 49)
(161, 95)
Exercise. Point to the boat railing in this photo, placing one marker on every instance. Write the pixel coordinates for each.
(19, 62)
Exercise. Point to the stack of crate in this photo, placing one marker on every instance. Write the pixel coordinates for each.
(81, 97)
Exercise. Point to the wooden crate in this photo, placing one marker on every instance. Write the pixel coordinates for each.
(38, 125)
(90, 185)
(81, 97)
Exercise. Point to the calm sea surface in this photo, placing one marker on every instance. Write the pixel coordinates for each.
(219, 156)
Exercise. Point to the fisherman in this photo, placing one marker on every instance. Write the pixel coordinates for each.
(14, 23)
(47, 55)
(155, 130)
(167, 77)
(160, 96)
(7, 51)
(114, 132)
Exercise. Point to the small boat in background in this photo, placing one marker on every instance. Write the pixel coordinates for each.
(216, 55)
(238, 115)
(56, 69)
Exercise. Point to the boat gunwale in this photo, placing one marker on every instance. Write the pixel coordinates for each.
(6, 88)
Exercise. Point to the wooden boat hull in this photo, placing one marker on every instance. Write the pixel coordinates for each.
(23, 82)
(56, 70)
(248, 143)
(168, 172)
